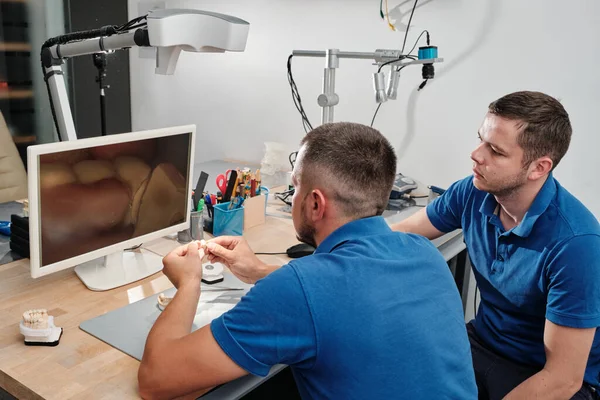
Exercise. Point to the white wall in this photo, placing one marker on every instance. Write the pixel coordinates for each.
(491, 48)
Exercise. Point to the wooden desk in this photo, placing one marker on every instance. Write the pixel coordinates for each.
(82, 366)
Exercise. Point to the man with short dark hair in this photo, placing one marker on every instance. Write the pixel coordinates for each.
(353, 320)
(535, 251)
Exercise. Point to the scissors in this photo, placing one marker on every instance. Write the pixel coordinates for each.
(222, 181)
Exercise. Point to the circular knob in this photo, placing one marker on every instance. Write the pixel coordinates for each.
(325, 100)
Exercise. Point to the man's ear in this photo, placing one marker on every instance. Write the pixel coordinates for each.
(315, 205)
(540, 168)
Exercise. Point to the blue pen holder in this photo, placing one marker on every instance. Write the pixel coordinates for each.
(228, 222)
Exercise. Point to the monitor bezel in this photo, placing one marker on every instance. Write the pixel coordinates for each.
(33, 155)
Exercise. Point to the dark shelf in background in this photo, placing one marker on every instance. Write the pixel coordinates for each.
(16, 82)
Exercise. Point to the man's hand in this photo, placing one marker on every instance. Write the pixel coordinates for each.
(175, 361)
(184, 264)
(236, 254)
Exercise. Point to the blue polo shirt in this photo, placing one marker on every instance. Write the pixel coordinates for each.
(547, 267)
(373, 314)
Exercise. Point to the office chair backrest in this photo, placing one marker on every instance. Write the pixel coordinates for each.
(13, 178)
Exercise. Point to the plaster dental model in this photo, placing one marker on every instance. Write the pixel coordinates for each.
(38, 328)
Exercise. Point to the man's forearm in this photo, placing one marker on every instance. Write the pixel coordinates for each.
(399, 227)
(544, 386)
(268, 268)
(173, 324)
(177, 318)
(418, 223)
(255, 272)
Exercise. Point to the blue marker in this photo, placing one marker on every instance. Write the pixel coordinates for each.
(5, 228)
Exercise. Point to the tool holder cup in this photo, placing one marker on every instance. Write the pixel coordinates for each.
(236, 221)
(226, 221)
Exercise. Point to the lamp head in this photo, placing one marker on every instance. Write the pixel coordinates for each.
(174, 30)
(393, 81)
(379, 86)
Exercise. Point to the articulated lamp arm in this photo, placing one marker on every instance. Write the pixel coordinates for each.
(169, 30)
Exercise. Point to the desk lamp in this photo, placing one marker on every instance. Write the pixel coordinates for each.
(168, 30)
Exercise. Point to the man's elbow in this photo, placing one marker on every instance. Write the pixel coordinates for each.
(148, 381)
(568, 386)
(571, 387)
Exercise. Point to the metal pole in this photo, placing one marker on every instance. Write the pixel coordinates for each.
(96, 45)
(60, 103)
(100, 61)
(339, 54)
(326, 109)
(329, 99)
(103, 112)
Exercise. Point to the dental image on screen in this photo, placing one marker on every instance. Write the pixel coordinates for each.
(99, 196)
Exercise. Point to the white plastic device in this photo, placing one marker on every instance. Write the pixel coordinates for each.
(212, 273)
(40, 336)
(174, 30)
(402, 185)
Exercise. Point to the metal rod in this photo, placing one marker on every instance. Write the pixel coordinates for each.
(100, 61)
(331, 90)
(103, 112)
(378, 55)
(90, 46)
(416, 62)
(341, 54)
(60, 103)
(325, 114)
(331, 63)
(357, 55)
(308, 53)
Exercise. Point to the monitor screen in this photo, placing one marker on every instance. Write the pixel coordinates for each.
(101, 196)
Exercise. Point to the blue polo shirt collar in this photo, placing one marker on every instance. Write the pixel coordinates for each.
(349, 231)
(539, 205)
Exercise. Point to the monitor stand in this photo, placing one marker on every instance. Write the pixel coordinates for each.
(118, 269)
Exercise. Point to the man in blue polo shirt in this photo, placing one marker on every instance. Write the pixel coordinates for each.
(535, 251)
(353, 320)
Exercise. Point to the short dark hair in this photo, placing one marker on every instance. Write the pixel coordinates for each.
(544, 124)
(354, 163)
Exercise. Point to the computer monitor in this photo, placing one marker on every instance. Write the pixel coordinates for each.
(92, 200)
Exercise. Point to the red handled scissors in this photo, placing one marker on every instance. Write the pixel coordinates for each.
(222, 181)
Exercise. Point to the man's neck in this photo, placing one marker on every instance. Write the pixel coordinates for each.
(515, 205)
(328, 227)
